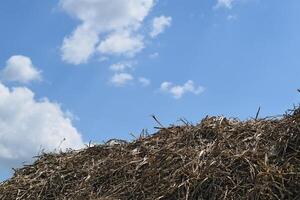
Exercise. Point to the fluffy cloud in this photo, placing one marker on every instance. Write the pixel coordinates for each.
(121, 79)
(144, 81)
(177, 91)
(107, 15)
(28, 126)
(121, 44)
(159, 25)
(80, 46)
(20, 69)
(118, 20)
(224, 4)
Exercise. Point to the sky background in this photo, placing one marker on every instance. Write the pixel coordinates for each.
(77, 70)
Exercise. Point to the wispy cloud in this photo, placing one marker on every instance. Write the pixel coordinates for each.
(121, 79)
(154, 55)
(159, 25)
(144, 81)
(232, 17)
(224, 4)
(177, 91)
(122, 66)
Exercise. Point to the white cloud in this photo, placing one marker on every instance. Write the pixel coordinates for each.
(122, 66)
(80, 46)
(121, 79)
(107, 15)
(121, 44)
(118, 20)
(165, 86)
(224, 4)
(159, 25)
(20, 69)
(177, 91)
(28, 125)
(144, 81)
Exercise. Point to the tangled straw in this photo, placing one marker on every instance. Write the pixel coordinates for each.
(219, 158)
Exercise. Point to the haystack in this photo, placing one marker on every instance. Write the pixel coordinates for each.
(218, 158)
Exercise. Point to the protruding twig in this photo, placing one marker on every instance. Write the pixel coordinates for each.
(256, 117)
(61, 142)
(133, 135)
(153, 116)
(184, 121)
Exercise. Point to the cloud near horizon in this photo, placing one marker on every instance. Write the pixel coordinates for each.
(28, 126)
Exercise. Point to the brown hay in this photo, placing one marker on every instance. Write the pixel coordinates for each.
(217, 159)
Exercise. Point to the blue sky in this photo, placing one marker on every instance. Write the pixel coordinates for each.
(101, 71)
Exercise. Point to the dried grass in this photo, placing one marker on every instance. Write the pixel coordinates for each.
(217, 159)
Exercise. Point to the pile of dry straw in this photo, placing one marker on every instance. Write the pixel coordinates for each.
(217, 159)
